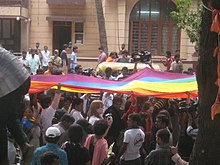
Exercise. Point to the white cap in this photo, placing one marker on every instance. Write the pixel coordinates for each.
(53, 132)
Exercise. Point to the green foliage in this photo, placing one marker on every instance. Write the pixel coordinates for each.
(187, 18)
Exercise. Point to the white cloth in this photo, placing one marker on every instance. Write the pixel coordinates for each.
(45, 57)
(85, 103)
(76, 115)
(34, 63)
(107, 100)
(48, 113)
(92, 119)
(12, 72)
(135, 138)
(178, 160)
(24, 61)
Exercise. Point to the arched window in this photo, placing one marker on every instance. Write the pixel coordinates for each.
(151, 27)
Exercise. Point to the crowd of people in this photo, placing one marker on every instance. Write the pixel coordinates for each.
(57, 127)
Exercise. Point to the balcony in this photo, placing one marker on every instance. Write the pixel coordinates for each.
(66, 2)
(14, 3)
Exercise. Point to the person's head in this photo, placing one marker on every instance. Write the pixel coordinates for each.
(133, 120)
(75, 133)
(52, 135)
(28, 112)
(125, 54)
(78, 69)
(45, 100)
(32, 52)
(122, 46)
(100, 127)
(56, 52)
(168, 54)
(108, 72)
(162, 121)
(162, 136)
(65, 46)
(177, 57)
(58, 115)
(117, 101)
(190, 70)
(96, 108)
(87, 127)
(75, 49)
(101, 49)
(77, 104)
(50, 65)
(147, 108)
(67, 102)
(49, 158)
(167, 114)
(24, 54)
(124, 70)
(113, 55)
(70, 45)
(67, 120)
(45, 48)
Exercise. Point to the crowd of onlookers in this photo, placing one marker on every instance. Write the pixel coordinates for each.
(106, 128)
(38, 61)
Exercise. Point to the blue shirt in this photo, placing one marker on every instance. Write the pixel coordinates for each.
(52, 148)
(73, 59)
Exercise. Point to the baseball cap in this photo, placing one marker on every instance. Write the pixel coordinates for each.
(56, 50)
(53, 132)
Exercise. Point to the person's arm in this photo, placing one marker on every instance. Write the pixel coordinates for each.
(149, 160)
(56, 99)
(121, 152)
(176, 157)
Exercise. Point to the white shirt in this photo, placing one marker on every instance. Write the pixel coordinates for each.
(107, 100)
(45, 57)
(74, 60)
(34, 63)
(76, 115)
(93, 119)
(135, 138)
(48, 113)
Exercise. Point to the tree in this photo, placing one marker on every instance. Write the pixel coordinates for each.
(188, 19)
(101, 24)
(207, 145)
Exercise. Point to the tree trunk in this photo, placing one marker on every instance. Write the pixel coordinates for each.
(206, 149)
(101, 24)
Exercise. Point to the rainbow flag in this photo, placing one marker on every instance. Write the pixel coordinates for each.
(146, 82)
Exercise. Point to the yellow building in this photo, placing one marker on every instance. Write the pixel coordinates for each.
(139, 24)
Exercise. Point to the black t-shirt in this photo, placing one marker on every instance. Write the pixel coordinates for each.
(63, 56)
(76, 154)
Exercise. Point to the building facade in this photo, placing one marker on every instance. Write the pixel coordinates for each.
(139, 24)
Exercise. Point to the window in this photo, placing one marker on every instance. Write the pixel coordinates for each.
(151, 27)
(10, 34)
(79, 32)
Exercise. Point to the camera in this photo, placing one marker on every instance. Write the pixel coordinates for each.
(108, 116)
(87, 71)
(142, 56)
(192, 107)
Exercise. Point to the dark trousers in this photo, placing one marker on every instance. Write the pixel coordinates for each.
(131, 162)
(11, 105)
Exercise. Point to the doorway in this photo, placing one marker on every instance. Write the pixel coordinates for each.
(61, 34)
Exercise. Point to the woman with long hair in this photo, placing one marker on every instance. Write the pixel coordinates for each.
(95, 111)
